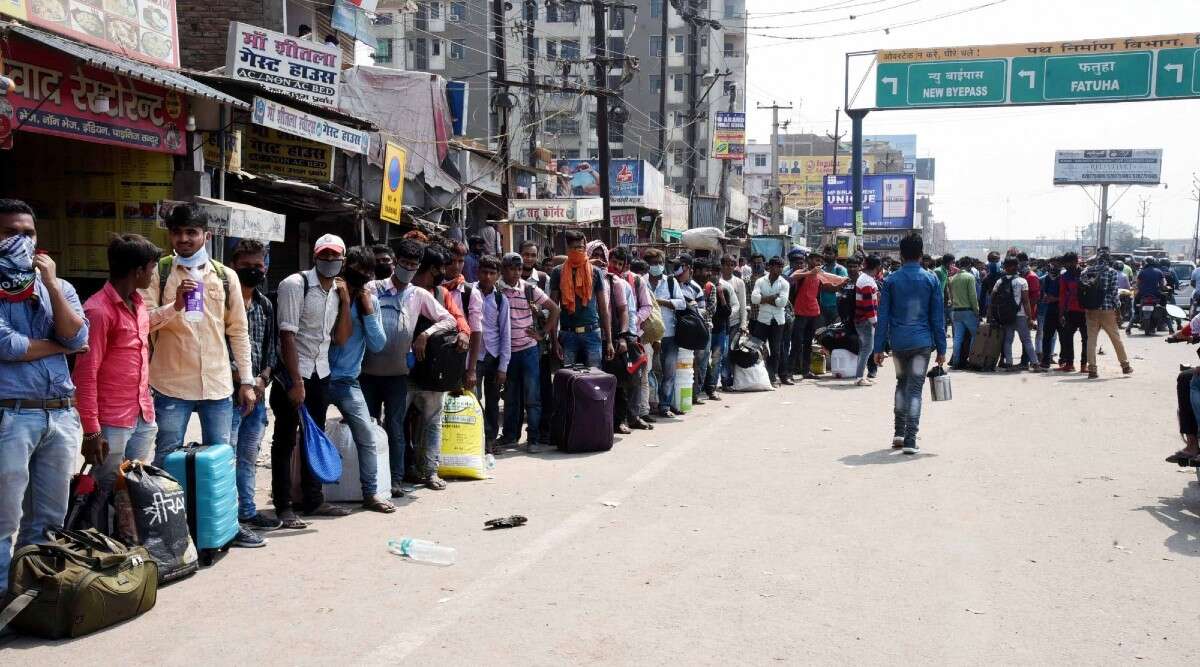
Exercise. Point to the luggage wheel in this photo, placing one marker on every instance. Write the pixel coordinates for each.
(206, 557)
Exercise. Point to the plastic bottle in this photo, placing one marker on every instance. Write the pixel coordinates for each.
(193, 304)
(422, 551)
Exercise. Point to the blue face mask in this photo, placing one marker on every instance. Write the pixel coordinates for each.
(656, 270)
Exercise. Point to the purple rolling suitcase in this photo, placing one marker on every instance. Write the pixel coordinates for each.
(584, 400)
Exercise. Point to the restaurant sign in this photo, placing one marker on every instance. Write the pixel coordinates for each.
(56, 94)
(140, 29)
(304, 69)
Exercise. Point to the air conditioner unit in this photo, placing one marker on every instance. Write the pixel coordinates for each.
(453, 18)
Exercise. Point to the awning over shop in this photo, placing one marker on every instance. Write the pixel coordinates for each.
(555, 211)
(229, 218)
(122, 66)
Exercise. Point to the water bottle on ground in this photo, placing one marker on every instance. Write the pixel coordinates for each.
(193, 304)
(422, 551)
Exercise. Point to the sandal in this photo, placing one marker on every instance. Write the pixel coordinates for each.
(435, 483)
(290, 521)
(380, 505)
(1182, 458)
(325, 509)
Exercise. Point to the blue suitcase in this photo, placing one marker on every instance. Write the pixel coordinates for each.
(209, 478)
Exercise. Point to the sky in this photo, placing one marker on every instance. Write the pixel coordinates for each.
(994, 165)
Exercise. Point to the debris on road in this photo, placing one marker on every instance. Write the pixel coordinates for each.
(610, 503)
(506, 522)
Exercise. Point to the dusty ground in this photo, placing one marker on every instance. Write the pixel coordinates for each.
(1039, 526)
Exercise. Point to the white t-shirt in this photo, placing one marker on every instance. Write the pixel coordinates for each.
(1019, 287)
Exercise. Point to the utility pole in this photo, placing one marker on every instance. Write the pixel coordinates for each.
(499, 99)
(1196, 234)
(836, 137)
(600, 49)
(662, 88)
(775, 198)
(1143, 209)
(1102, 236)
(723, 192)
(693, 56)
(530, 56)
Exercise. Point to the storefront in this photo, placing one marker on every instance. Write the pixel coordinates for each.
(93, 142)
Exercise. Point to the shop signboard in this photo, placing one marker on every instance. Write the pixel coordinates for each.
(227, 218)
(56, 94)
(391, 199)
(556, 211)
(266, 151)
(624, 218)
(631, 182)
(307, 126)
(1111, 166)
(303, 69)
(140, 29)
(887, 202)
(1090, 70)
(729, 136)
(233, 149)
(882, 242)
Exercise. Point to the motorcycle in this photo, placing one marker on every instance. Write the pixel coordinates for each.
(1150, 314)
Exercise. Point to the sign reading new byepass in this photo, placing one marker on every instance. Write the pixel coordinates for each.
(1098, 70)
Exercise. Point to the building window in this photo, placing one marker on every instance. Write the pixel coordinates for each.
(562, 13)
(616, 19)
(436, 48)
(551, 49)
(656, 8)
(677, 82)
(569, 49)
(677, 155)
(680, 44)
(730, 86)
(572, 154)
(458, 49)
(655, 84)
(616, 47)
(614, 81)
(435, 11)
(458, 11)
(383, 50)
(656, 49)
(616, 132)
(760, 159)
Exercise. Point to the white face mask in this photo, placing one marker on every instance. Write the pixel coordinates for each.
(198, 258)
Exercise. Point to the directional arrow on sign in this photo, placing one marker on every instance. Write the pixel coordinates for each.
(1029, 74)
(894, 82)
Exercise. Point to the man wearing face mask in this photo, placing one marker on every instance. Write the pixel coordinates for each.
(249, 261)
(669, 294)
(193, 351)
(42, 436)
(585, 324)
(385, 261)
(313, 313)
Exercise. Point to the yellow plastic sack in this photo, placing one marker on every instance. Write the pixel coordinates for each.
(462, 437)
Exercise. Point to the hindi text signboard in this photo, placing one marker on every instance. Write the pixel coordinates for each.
(294, 66)
(307, 126)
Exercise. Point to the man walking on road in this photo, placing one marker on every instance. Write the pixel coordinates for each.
(1102, 312)
(1072, 316)
(912, 320)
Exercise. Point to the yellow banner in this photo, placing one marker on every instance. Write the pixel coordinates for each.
(1071, 48)
(265, 151)
(391, 198)
(802, 177)
(14, 8)
(233, 150)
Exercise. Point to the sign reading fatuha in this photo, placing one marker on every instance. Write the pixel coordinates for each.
(304, 69)
(1093, 70)
(1108, 166)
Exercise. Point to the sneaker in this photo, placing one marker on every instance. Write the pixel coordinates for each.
(897, 442)
(248, 539)
(696, 400)
(261, 523)
(910, 450)
(712, 396)
(863, 382)
(1127, 369)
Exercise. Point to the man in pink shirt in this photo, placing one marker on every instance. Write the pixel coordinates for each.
(122, 426)
(471, 302)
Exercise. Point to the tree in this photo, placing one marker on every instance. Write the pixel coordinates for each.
(1122, 237)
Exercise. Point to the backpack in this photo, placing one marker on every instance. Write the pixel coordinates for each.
(1004, 305)
(690, 331)
(1091, 297)
(164, 272)
(444, 367)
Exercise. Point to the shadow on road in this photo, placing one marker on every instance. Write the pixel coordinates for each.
(883, 457)
(1181, 515)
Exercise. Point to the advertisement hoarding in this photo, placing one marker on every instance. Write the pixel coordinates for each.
(624, 218)
(631, 182)
(266, 151)
(729, 136)
(1113, 166)
(294, 66)
(887, 202)
(140, 29)
(57, 94)
(802, 177)
(307, 126)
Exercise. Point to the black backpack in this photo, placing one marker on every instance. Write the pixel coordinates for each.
(690, 332)
(1004, 305)
(444, 367)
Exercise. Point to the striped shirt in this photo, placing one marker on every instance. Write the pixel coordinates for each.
(866, 299)
(520, 313)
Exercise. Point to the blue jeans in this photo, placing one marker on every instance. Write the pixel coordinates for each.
(37, 457)
(347, 395)
(487, 392)
(173, 415)
(866, 344)
(586, 345)
(700, 371)
(523, 394)
(428, 431)
(1047, 337)
(124, 444)
(249, 430)
(387, 397)
(726, 364)
(965, 321)
(718, 347)
(911, 366)
(1019, 328)
(666, 383)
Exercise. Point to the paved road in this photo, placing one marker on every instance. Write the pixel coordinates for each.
(768, 527)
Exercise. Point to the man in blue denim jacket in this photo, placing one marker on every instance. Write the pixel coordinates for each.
(912, 319)
(41, 322)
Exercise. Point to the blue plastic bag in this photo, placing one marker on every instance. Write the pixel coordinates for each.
(323, 458)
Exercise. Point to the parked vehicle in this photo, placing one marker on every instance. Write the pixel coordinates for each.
(1183, 274)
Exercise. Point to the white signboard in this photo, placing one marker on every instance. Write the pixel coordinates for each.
(895, 197)
(1113, 166)
(286, 119)
(243, 221)
(624, 218)
(304, 69)
(555, 211)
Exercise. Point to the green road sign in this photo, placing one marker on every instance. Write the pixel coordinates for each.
(1111, 70)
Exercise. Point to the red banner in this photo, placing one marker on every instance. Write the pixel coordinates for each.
(59, 95)
(138, 29)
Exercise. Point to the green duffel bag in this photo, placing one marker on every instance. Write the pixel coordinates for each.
(79, 582)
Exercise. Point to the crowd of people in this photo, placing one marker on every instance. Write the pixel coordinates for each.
(176, 334)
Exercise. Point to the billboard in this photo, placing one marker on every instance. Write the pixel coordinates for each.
(630, 182)
(729, 136)
(294, 66)
(144, 30)
(887, 202)
(1112, 166)
(802, 177)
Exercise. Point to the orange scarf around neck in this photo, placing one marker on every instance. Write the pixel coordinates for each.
(576, 281)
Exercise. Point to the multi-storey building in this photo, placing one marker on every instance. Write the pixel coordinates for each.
(454, 38)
